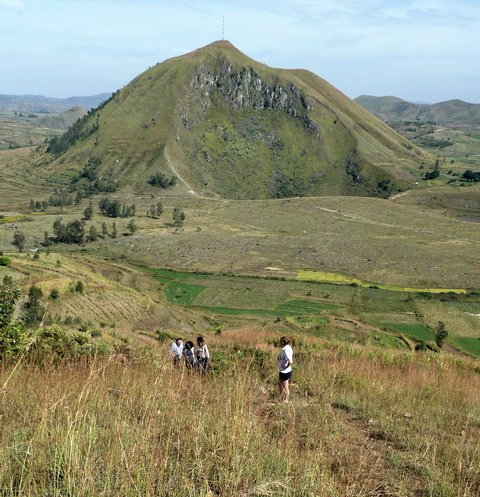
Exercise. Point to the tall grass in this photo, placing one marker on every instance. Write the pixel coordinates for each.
(361, 422)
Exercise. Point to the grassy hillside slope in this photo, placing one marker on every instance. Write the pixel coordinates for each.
(361, 422)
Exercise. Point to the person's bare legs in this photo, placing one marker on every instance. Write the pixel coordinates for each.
(284, 390)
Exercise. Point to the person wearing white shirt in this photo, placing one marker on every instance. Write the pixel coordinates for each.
(285, 362)
(176, 350)
(203, 355)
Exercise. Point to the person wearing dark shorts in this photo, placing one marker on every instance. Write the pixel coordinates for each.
(285, 362)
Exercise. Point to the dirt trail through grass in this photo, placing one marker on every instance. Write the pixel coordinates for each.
(389, 225)
(239, 223)
(179, 176)
(398, 195)
(368, 448)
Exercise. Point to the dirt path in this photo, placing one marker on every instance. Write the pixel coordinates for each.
(239, 223)
(391, 225)
(397, 195)
(369, 448)
(179, 176)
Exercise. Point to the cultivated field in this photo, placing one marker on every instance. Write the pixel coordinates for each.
(137, 299)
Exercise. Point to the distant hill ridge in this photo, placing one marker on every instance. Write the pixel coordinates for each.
(392, 109)
(41, 104)
(229, 126)
(60, 121)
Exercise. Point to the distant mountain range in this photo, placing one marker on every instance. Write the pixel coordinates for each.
(40, 104)
(392, 109)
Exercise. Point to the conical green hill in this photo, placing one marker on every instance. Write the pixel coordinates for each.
(226, 125)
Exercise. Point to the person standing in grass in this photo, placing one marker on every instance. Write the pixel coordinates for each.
(203, 356)
(176, 349)
(189, 355)
(285, 362)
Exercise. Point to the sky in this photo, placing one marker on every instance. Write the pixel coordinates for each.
(419, 50)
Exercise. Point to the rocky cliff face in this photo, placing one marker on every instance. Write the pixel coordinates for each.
(244, 88)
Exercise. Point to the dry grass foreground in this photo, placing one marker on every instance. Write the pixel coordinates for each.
(362, 422)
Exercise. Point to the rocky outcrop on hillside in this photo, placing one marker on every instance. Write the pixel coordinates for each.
(245, 88)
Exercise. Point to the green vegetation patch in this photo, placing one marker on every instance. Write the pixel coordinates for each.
(182, 293)
(231, 311)
(63, 177)
(305, 307)
(238, 296)
(283, 310)
(12, 219)
(179, 290)
(417, 331)
(386, 340)
(467, 344)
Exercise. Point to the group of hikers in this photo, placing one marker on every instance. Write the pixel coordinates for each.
(190, 357)
(198, 357)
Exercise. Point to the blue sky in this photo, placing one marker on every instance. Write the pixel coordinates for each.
(420, 50)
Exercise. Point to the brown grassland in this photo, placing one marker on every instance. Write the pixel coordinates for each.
(362, 422)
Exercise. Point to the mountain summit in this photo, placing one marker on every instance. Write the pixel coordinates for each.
(227, 125)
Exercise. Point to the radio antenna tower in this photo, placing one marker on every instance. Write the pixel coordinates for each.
(223, 27)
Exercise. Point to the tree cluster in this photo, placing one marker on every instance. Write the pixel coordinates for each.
(161, 180)
(79, 130)
(472, 176)
(434, 173)
(72, 232)
(41, 343)
(155, 210)
(19, 240)
(9, 295)
(34, 310)
(178, 217)
(58, 200)
(89, 182)
(441, 334)
(113, 208)
(38, 205)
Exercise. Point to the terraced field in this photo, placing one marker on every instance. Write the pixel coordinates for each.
(385, 315)
(20, 181)
(17, 132)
